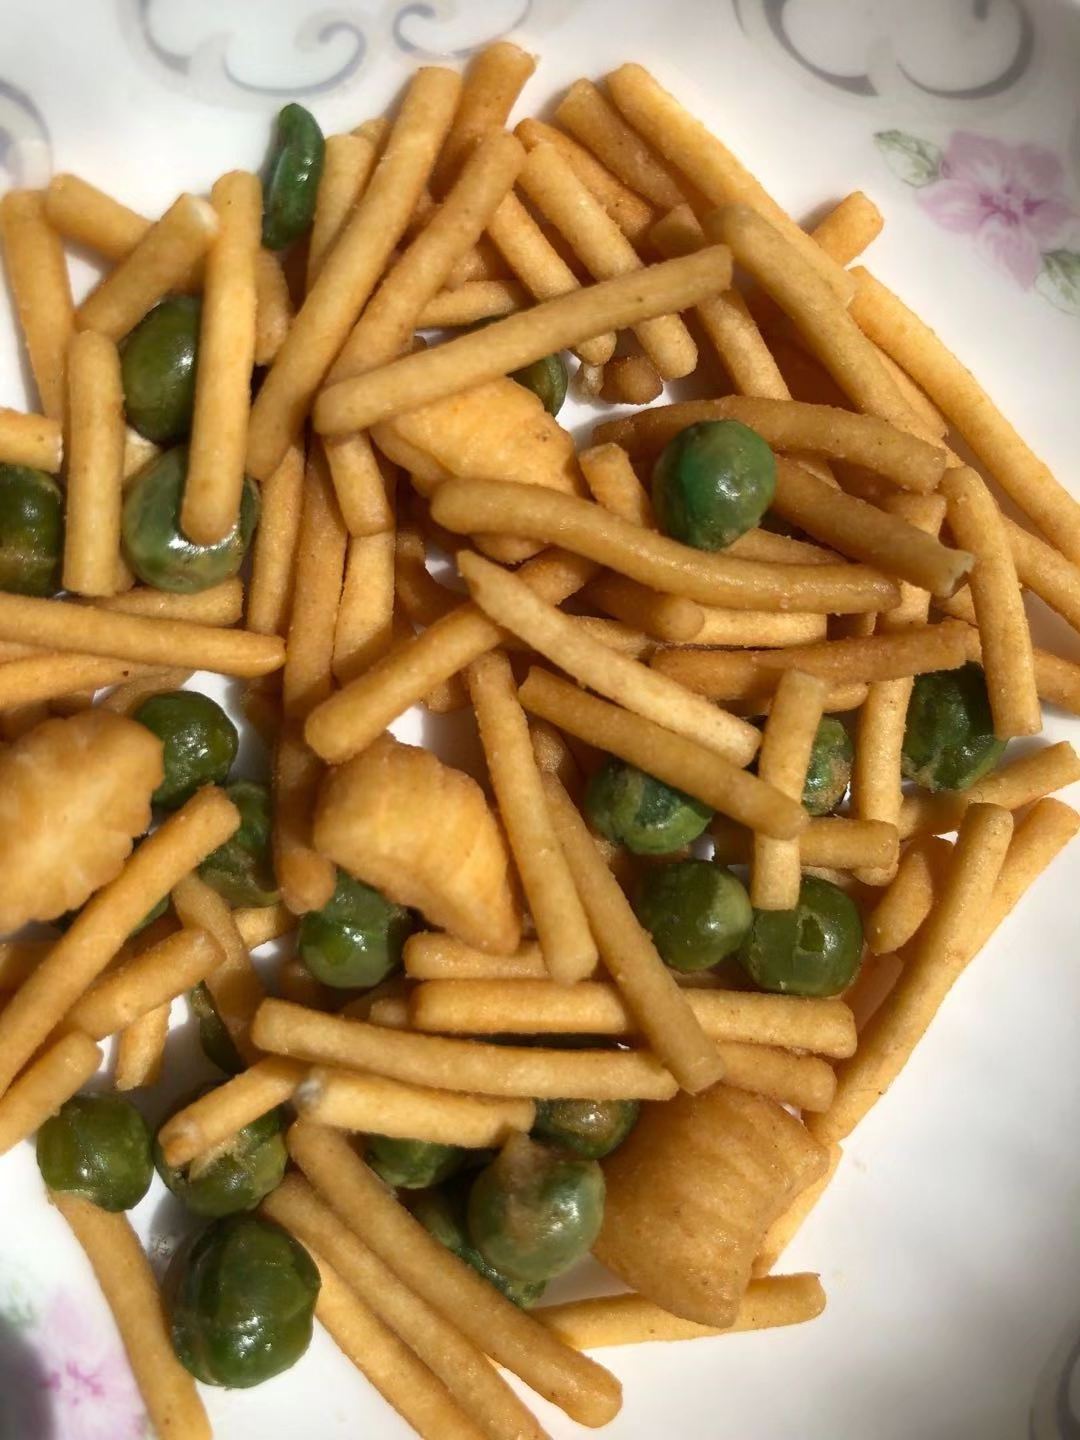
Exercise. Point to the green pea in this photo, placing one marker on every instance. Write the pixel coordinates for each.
(355, 940)
(712, 482)
(590, 1128)
(812, 950)
(641, 812)
(216, 1042)
(239, 1177)
(547, 379)
(157, 364)
(949, 740)
(31, 531)
(442, 1214)
(156, 548)
(829, 773)
(697, 912)
(242, 870)
(242, 1302)
(534, 1212)
(199, 738)
(412, 1164)
(98, 1147)
(292, 178)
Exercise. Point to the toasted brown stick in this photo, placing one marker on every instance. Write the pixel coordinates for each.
(95, 465)
(1012, 786)
(347, 165)
(219, 605)
(631, 213)
(848, 228)
(35, 678)
(492, 84)
(38, 276)
(612, 481)
(904, 906)
(507, 345)
(156, 976)
(830, 842)
(362, 486)
(373, 1103)
(234, 984)
(550, 890)
(320, 565)
(1045, 572)
(128, 1284)
(667, 617)
(428, 955)
(600, 128)
(105, 922)
(87, 215)
(38, 1093)
(159, 263)
(631, 380)
(221, 1112)
(758, 628)
(140, 1051)
(273, 307)
(510, 1336)
(349, 721)
(609, 1320)
(775, 872)
(466, 1065)
(947, 940)
(1057, 679)
(474, 301)
(127, 698)
(705, 160)
(784, 1229)
(365, 619)
(659, 1007)
(274, 549)
(260, 923)
(1041, 835)
(215, 472)
(498, 507)
(1004, 634)
(997, 446)
(33, 440)
(306, 878)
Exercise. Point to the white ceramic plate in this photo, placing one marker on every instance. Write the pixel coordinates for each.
(949, 1243)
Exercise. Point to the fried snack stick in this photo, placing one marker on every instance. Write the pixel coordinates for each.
(33, 440)
(39, 677)
(212, 1118)
(663, 617)
(631, 213)
(234, 984)
(596, 123)
(365, 620)
(428, 955)
(94, 466)
(38, 276)
(1011, 786)
(830, 842)
(348, 162)
(848, 228)
(156, 976)
(493, 82)
(44, 1086)
(273, 553)
(613, 483)
(128, 1284)
(273, 307)
(374, 1103)
(83, 213)
(754, 629)
(905, 904)
(775, 868)
(476, 300)
(511, 1337)
(140, 1051)
(221, 604)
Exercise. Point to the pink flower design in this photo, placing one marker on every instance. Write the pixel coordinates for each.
(88, 1377)
(1009, 197)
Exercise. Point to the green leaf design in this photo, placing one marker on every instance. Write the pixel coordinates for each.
(917, 162)
(1059, 280)
(16, 1307)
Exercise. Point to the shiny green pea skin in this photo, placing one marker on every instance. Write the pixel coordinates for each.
(242, 870)
(240, 1177)
(547, 379)
(638, 811)
(157, 549)
(812, 950)
(157, 365)
(31, 531)
(697, 913)
(199, 738)
(442, 1214)
(828, 774)
(355, 940)
(292, 179)
(589, 1128)
(216, 1042)
(242, 1301)
(949, 740)
(712, 483)
(97, 1147)
(534, 1212)
(412, 1164)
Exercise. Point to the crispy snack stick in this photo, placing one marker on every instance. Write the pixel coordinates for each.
(346, 1100)
(95, 464)
(631, 213)
(34, 440)
(54, 1077)
(156, 976)
(775, 869)
(221, 1112)
(234, 983)
(38, 276)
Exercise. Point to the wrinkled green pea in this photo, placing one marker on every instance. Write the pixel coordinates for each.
(157, 365)
(292, 178)
(949, 740)
(829, 773)
(356, 939)
(697, 912)
(31, 531)
(534, 1212)
(155, 546)
(242, 1300)
(712, 483)
(812, 950)
(199, 738)
(412, 1164)
(98, 1147)
(242, 870)
(239, 1177)
(590, 1128)
(442, 1214)
(547, 379)
(641, 812)
(216, 1042)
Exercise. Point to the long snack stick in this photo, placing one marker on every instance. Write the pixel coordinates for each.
(38, 276)
(364, 630)
(756, 629)
(320, 565)
(306, 878)
(259, 924)
(347, 165)
(476, 300)
(95, 464)
(373, 1103)
(631, 213)
(1041, 835)
(273, 307)
(273, 562)
(35, 678)
(508, 345)
(1011, 786)
(34, 440)
(351, 269)
(775, 870)
(158, 975)
(234, 984)
(428, 955)
(665, 617)
(221, 1112)
(40, 1091)
(140, 1050)
(510, 1336)
(361, 485)
(128, 1284)
(105, 922)
(221, 604)
(215, 472)
(613, 483)
(1057, 679)
(1045, 572)
(848, 228)
(87, 215)
(125, 699)
(492, 83)
(906, 903)
(829, 842)
(596, 123)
